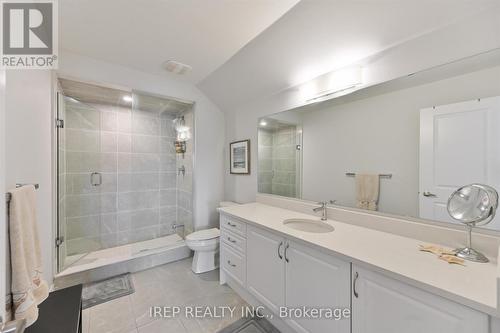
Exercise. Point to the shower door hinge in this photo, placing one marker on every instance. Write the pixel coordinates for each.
(60, 123)
(59, 241)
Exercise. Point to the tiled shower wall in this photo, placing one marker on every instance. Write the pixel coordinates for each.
(278, 161)
(134, 152)
(265, 175)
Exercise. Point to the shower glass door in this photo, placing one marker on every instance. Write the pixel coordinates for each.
(80, 179)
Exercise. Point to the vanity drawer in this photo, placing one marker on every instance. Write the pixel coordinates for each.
(234, 225)
(233, 240)
(233, 264)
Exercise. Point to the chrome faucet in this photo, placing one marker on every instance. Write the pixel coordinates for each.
(323, 209)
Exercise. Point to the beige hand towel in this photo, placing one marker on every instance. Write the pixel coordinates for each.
(27, 286)
(367, 191)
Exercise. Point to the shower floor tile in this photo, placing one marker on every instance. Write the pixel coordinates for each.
(170, 285)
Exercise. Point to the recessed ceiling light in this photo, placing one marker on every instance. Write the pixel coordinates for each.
(176, 67)
(127, 98)
(263, 123)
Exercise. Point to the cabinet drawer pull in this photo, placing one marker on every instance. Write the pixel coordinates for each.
(354, 291)
(230, 224)
(230, 264)
(286, 248)
(231, 240)
(279, 250)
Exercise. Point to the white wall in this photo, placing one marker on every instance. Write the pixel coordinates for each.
(209, 124)
(3, 225)
(28, 148)
(379, 134)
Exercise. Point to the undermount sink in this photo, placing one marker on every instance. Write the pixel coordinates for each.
(307, 225)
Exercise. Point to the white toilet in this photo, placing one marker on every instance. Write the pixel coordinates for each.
(205, 244)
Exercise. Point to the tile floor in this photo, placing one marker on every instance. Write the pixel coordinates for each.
(172, 284)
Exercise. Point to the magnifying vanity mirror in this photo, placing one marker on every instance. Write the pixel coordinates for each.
(473, 205)
(399, 148)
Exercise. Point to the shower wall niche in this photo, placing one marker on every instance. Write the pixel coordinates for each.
(120, 178)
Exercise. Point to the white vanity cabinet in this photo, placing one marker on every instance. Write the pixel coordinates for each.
(233, 250)
(384, 305)
(284, 273)
(279, 272)
(316, 280)
(265, 267)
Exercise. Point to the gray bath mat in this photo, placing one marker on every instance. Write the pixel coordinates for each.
(107, 290)
(250, 325)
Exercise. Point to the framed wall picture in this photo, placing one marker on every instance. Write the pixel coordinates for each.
(239, 157)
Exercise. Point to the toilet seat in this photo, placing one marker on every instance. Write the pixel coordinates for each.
(203, 235)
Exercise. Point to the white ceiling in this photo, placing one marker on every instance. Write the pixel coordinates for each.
(143, 34)
(318, 36)
(242, 50)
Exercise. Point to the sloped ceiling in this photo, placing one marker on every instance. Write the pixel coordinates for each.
(318, 36)
(143, 34)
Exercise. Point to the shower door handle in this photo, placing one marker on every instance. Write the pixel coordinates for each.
(95, 178)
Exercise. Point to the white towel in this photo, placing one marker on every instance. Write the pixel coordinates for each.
(27, 286)
(367, 191)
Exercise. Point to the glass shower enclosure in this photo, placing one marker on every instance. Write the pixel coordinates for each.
(125, 168)
(280, 157)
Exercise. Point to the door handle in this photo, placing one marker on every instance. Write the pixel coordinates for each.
(279, 250)
(95, 179)
(286, 248)
(230, 224)
(231, 240)
(429, 194)
(354, 291)
(231, 264)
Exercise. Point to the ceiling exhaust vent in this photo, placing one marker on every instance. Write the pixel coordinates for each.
(176, 67)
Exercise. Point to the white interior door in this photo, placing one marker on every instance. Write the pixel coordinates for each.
(459, 145)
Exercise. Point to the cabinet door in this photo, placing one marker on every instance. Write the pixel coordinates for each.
(317, 280)
(265, 268)
(384, 305)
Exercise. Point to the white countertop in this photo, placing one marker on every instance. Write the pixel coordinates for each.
(474, 285)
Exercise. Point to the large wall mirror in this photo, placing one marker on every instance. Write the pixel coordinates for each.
(400, 148)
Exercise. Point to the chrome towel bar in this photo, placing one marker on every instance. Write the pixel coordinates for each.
(8, 196)
(382, 175)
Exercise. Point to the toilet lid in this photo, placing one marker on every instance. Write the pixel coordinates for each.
(204, 234)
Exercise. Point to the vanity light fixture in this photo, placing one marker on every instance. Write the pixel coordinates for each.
(333, 83)
(128, 98)
(263, 123)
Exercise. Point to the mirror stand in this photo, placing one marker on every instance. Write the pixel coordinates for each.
(473, 205)
(468, 253)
